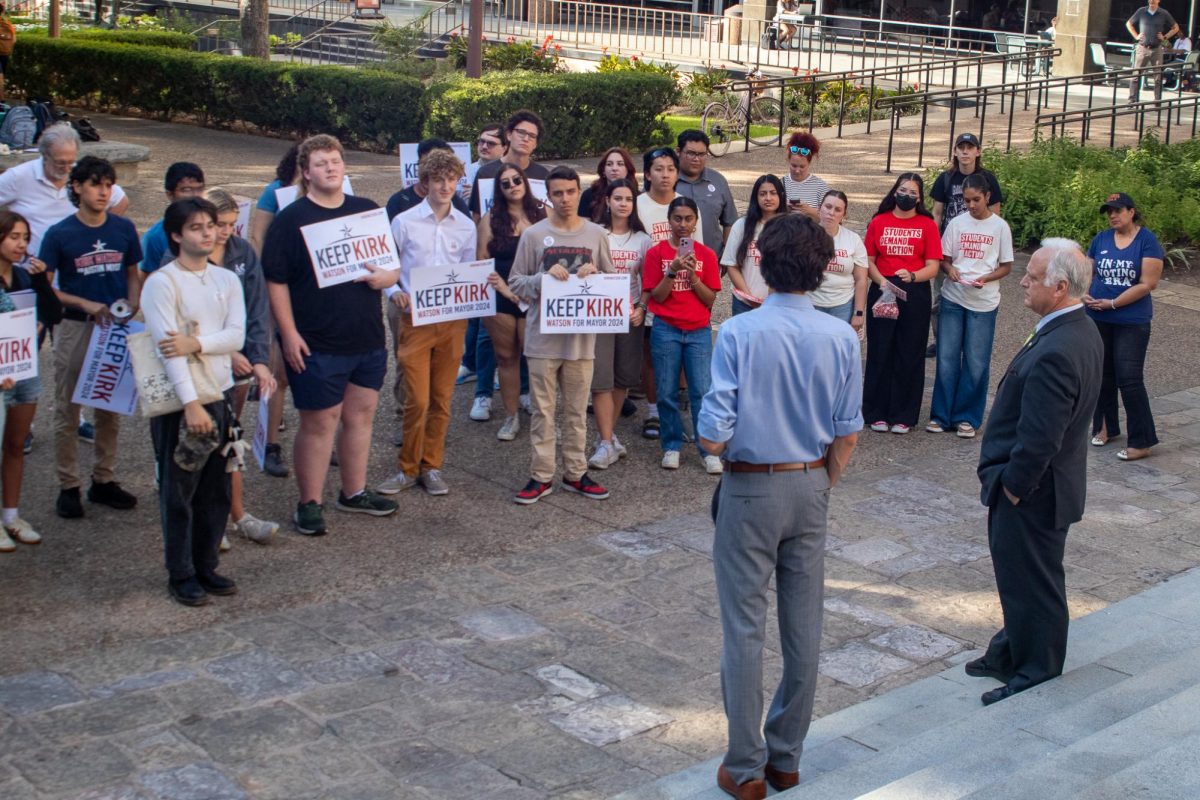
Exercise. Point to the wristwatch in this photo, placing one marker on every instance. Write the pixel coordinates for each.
(859, 313)
(640, 304)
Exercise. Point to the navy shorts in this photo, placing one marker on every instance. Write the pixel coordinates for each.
(323, 382)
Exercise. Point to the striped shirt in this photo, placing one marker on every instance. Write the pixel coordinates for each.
(811, 190)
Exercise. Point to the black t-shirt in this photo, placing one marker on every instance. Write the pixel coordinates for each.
(337, 320)
(947, 190)
(408, 198)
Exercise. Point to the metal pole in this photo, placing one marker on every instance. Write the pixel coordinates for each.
(475, 40)
(56, 20)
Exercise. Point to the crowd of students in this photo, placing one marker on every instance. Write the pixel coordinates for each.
(250, 311)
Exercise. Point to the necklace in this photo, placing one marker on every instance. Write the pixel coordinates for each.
(202, 274)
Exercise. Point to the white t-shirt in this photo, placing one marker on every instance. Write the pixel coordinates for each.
(654, 217)
(976, 247)
(837, 286)
(628, 251)
(750, 268)
(26, 190)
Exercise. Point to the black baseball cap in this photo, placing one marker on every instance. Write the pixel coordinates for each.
(1117, 200)
(967, 138)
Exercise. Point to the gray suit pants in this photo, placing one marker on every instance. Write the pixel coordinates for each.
(769, 524)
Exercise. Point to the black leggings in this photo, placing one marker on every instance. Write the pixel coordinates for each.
(895, 375)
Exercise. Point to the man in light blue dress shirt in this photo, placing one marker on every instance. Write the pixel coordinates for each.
(784, 410)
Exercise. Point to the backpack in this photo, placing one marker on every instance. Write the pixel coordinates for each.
(19, 130)
(45, 115)
(86, 130)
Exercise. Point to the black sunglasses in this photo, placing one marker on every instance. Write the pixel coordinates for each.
(660, 152)
(509, 183)
(802, 151)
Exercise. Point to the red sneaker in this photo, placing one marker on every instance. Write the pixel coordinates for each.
(533, 491)
(586, 487)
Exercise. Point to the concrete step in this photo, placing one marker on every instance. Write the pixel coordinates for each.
(1170, 774)
(932, 739)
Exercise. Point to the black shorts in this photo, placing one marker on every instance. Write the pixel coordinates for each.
(3, 64)
(325, 377)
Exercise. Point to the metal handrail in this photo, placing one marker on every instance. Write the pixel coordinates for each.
(1139, 110)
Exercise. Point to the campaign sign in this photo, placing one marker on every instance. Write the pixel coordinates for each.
(487, 187)
(596, 304)
(342, 249)
(286, 195)
(106, 379)
(241, 228)
(18, 344)
(452, 291)
(259, 445)
(409, 163)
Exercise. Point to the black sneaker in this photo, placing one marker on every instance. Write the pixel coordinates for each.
(366, 502)
(309, 518)
(586, 487)
(187, 592)
(628, 408)
(216, 584)
(273, 464)
(69, 506)
(112, 495)
(533, 491)
(931, 351)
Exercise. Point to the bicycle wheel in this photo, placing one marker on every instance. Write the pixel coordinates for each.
(765, 112)
(720, 126)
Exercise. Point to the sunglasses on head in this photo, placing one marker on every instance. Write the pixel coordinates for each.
(660, 152)
(800, 151)
(509, 183)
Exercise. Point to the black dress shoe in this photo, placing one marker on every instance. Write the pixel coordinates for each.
(187, 592)
(216, 584)
(69, 506)
(981, 669)
(112, 495)
(997, 694)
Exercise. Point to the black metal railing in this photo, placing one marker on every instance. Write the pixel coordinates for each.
(1141, 112)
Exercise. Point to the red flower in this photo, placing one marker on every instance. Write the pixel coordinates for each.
(633, 58)
(453, 34)
(512, 40)
(795, 70)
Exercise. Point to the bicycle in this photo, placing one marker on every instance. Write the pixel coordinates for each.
(724, 125)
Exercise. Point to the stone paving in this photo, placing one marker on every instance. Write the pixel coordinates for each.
(573, 671)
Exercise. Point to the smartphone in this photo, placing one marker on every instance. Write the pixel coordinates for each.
(687, 247)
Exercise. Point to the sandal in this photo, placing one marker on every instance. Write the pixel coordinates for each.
(651, 428)
(1125, 456)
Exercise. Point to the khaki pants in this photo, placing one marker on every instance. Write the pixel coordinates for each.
(546, 377)
(71, 340)
(393, 319)
(1146, 57)
(428, 356)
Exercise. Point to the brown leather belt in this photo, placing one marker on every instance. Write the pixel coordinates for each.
(795, 466)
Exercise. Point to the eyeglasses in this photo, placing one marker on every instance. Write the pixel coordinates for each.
(523, 133)
(486, 143)
(800, 151)
(509, 183)
(695, 153)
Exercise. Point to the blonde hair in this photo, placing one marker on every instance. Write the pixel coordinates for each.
(222, 199)
(314, 144)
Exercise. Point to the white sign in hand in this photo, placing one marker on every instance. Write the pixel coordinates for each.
(452, 291)
(343, 249)
(18, 345)
(106, 379)
(598, 303)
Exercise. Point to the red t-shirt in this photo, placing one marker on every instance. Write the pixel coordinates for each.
(900, 244)
(682, 308)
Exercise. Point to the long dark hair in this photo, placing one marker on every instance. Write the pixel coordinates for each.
(504, 227)
(754, 213)
(600, 185)
(889, 200)
(605, 218)
(285, 171)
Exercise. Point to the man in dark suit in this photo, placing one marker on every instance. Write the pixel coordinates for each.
(1033, 467)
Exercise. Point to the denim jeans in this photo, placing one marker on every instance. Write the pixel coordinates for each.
(672, 349)
(1124, 368)
(739, 306)
(844, 312)
(964, 356)
(480, 358)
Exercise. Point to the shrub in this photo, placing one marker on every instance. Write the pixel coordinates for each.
(364, 108)
(508, 56)
(145, 38)
(609, 64)
(1056, 188)
(584, 112)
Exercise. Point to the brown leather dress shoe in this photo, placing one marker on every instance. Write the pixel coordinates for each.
(750, 790)
(781, 780)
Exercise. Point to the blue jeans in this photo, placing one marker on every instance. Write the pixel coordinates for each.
(672, 349)
(964, 355)
(844, 312)
(480, 358)
(739, 306)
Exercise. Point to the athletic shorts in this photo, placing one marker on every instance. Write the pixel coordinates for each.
(325, 377)
(618, 362)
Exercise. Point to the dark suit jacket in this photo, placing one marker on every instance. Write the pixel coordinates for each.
(1037, 434)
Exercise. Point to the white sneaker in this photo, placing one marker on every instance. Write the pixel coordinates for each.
(464, 376)
(526, 404)
(431, 479)
(620, 448)
(879, 427)
(256, 530)
(396, 484)
(226, 545)
(713, 465)
(481, 409)
(23, 532)
(604, 457)
(509, 430)
(670, 459)
(7, 545)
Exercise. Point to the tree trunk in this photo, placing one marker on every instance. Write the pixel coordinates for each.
(255, 29)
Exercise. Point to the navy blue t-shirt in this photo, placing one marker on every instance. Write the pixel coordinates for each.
(90, 262)
(1118, 269)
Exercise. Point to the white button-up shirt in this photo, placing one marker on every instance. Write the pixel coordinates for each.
(425, 241)
(26, 190)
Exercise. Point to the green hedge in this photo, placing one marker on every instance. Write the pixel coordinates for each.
(364, 108)
(1056, 188)
(584, 112)
(172, 39)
